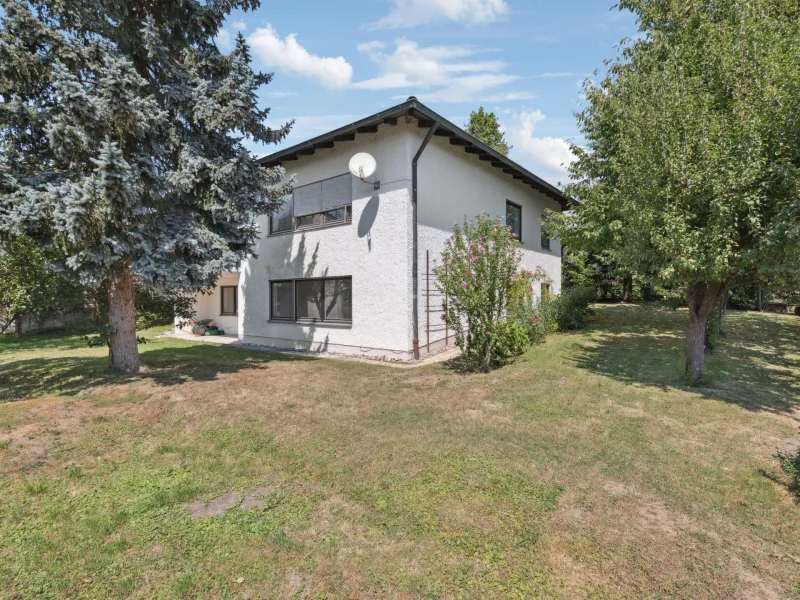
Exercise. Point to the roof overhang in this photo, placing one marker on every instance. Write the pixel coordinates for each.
(411, 110)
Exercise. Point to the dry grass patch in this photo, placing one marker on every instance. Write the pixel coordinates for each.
(584, 470)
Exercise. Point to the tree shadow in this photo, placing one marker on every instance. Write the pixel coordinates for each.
(756, 364)
(164, 366)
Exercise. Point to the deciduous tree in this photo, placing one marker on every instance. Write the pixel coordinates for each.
(28, 287)
(692, 161)
(484, 126)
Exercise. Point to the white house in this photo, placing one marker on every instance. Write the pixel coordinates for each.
(345, 266)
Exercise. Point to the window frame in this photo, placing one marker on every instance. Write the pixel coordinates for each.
(519, 208)
(545, 239)
(347, 207)
(222, 312)
(322, 320)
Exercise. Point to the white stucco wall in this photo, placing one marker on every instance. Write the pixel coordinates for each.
(453, 184)
(209, 306)
(374, 250)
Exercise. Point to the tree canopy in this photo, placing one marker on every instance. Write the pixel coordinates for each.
(28, 287)
(690, 173)
(484, 126)
(121, 145)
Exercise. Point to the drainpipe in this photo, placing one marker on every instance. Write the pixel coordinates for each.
(414, 251)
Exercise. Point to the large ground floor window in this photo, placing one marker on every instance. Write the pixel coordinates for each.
(324, 299)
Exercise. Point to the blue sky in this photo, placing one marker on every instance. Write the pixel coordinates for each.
(339, 61)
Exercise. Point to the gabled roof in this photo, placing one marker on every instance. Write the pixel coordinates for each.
(414, 109)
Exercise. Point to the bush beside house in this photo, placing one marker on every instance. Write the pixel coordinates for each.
(491, 306)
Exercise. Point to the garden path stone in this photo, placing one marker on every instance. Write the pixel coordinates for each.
(256, 497)
(215, 507)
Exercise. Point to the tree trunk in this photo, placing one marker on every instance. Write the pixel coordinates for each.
(723, 309)
(18, 325)
(627, 289)
(123, 353)
(701, 300)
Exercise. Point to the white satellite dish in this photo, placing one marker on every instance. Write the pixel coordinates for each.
(362, 165)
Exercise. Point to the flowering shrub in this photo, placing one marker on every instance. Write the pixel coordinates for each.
(510, 340)
(478, 272)
(535, 329)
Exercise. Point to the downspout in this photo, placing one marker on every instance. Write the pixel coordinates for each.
(414, 235)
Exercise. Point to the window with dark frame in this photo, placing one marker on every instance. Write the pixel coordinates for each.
(514, 219)
(318, 300)
(228, 300)
(326, 202)
(545, 238)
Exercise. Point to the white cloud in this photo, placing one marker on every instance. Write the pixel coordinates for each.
(410, 13)
(289, 56)
(223, 39)
(367, 47)
(240, 25)
(553, 154)
(508, 97)
(440, 73)
(557, 75)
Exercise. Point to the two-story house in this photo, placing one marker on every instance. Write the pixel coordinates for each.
(346, 265)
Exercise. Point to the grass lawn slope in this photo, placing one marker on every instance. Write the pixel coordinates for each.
(586, 469)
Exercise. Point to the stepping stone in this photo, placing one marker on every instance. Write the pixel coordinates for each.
(215, 507)
(257, 497)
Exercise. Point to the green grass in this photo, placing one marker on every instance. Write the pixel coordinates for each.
(584, 470)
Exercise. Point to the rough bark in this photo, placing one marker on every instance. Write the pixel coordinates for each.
(123, 352)
(701, 300)
(627, 289)
(18, 324)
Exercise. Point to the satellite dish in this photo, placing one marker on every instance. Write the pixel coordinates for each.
(362, 165)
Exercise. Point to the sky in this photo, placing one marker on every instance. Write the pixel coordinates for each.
(337, 61)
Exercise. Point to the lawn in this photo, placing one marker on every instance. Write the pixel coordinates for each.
(587, 469)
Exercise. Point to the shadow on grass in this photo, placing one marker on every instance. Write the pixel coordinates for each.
(756, 364)
(171, 365)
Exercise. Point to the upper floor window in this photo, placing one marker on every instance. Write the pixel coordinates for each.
(324, 202)
(514, 219)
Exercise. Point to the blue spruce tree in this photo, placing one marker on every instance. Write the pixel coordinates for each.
(121, 130)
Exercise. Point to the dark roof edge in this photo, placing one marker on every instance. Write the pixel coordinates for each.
(412, 105)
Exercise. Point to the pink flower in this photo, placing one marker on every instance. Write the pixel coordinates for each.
(514, 276)
(464, 285)
(485, 316)
(469, 273)
(474, 259)
(533, 320)
(441, 317)
(481, 248)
